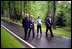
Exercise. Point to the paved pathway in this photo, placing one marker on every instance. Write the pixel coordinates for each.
(43, 42)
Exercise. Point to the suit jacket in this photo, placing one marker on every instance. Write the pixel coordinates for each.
(25, 23)
(48, 23)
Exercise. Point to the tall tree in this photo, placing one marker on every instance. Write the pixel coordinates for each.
(10, 10)
(54, 16)
(2, 9)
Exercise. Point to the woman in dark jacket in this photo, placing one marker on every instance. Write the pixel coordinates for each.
(31, 26)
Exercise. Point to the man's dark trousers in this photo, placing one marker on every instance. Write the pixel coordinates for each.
(50, 29)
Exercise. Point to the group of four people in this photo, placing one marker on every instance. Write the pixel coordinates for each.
(28, 25)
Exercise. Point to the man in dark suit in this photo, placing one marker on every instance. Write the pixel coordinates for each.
(48, 25)
(25, 24)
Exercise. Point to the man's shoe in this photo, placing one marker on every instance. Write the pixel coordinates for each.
(52, 35)
(46, 35)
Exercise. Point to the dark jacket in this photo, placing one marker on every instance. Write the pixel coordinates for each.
(25, 23)
(48, 23)
(31, 24)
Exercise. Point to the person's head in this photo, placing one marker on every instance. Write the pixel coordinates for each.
(31, 16)
(38, 17)
(27, 15)
(49, 15)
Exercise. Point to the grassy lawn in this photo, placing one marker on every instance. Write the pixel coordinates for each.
(8, 41)
(66, 31)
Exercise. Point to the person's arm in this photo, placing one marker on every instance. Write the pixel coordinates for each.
(30, 23)
(22, 22)
(48, 22)
(41, 21)
(37, 21)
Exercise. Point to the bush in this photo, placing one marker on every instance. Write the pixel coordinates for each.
(61, 20)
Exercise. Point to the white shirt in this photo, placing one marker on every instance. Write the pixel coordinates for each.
(39, 21)
(50, 20)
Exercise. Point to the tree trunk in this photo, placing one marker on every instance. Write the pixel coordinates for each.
(9, 11)
(54, 12)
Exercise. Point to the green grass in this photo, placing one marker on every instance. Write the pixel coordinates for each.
(8, 19)
(62, 32)
(66, 31)
(8, 41)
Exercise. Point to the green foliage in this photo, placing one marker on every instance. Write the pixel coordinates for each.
(37, 8)
(65, 6)
(61, 20)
